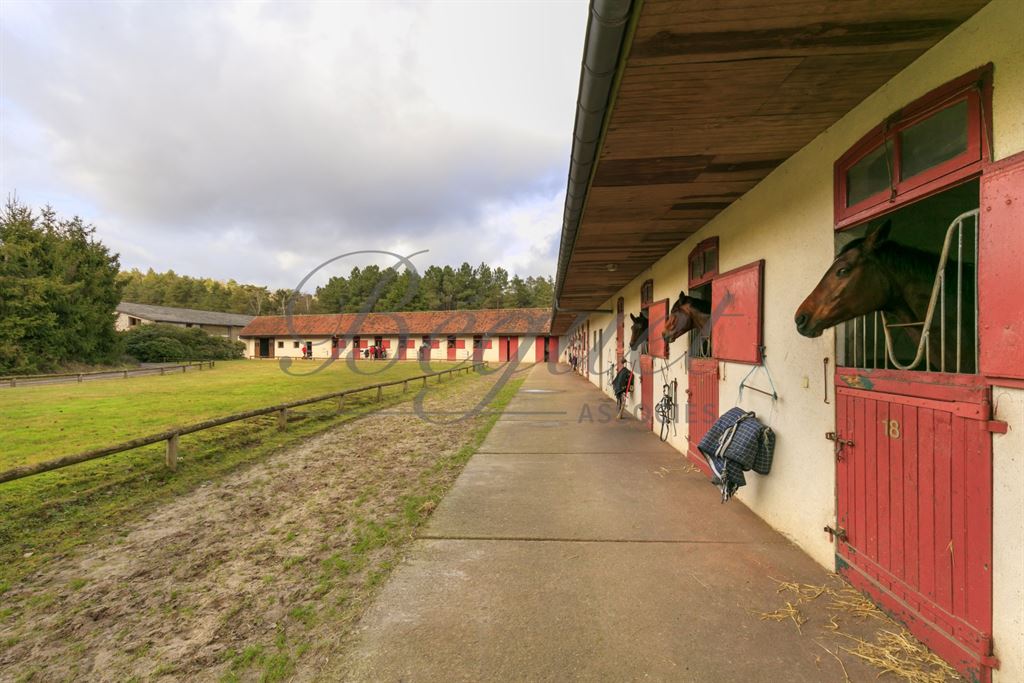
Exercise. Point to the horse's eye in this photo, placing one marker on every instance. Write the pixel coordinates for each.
(842, 272)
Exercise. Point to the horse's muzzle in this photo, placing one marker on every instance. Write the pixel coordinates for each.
(802, 326)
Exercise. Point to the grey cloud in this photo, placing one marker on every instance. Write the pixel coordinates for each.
(288, 122)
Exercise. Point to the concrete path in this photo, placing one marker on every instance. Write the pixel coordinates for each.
(588, 550)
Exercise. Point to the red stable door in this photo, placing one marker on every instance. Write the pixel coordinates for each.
(508, 349)
(647, 389)
(914, 502)
(404, 345)
(452, 345)
(701, 405)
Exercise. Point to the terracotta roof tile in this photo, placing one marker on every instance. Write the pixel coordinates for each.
(436, 323)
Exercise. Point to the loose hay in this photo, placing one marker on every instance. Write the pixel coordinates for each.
(901, 655)
(846, 676)
(787, 612)
(893, 652)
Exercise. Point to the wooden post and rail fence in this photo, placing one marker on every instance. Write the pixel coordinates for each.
(172, 435)
(13, 380)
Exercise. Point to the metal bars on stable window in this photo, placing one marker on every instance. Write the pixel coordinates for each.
(870, 341)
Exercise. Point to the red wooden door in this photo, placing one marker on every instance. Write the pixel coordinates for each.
(502, 349)
(451, 349)
(647, 389)
(552, 349)
(701, 404)
(538, 349)
(914, 497)
(513, 348)
(620, 332)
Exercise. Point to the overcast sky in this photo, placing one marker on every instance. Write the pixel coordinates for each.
(255, 140)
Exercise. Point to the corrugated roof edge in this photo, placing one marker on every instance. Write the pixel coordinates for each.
(603, 57)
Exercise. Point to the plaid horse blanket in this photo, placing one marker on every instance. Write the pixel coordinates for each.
(735, 444)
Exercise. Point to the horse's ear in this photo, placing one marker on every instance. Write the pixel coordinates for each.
(682, 296)
(633, 317)
(875, 238)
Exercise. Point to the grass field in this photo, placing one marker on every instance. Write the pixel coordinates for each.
(260, 574)
(46, 515)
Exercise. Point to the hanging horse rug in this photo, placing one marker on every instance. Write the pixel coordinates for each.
(735, 444)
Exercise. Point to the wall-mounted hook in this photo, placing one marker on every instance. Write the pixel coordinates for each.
(824, 366)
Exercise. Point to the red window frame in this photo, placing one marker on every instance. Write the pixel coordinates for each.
(975, 88)
(646, 293)
(700, 251)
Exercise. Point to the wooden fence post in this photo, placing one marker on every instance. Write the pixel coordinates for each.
(126, 374)
(172, 453)
(424, 380)
(183, 369)
(282, 419)
(405, 386)
(79, 378)
(380, 394)
(341, 403)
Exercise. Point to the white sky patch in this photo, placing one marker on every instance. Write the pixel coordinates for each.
(213, 138)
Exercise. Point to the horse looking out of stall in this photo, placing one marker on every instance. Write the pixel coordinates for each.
(686, 314)
(638, 330)
(871, 274)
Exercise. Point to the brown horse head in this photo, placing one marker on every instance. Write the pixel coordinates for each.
(687, 314)
(856, 283)
(638, 330)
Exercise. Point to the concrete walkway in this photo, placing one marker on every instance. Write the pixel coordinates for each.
(588, 550)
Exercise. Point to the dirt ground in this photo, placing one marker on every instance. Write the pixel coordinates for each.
(257, 576)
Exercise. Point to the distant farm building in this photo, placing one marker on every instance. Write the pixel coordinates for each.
(496, 335)
(218, 324)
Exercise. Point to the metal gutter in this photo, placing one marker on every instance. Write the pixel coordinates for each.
(605, 47)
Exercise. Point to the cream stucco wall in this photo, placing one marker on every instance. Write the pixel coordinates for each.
(788, 221)
(1008, 542)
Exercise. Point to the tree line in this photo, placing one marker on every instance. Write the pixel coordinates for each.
(59, 286)
(438, 288)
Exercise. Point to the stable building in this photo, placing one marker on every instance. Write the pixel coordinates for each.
(775, 162)
(216, 323)
(495, 335)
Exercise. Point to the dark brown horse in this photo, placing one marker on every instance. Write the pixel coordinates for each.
(638, 330)
(687, 314)
(874, 274)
